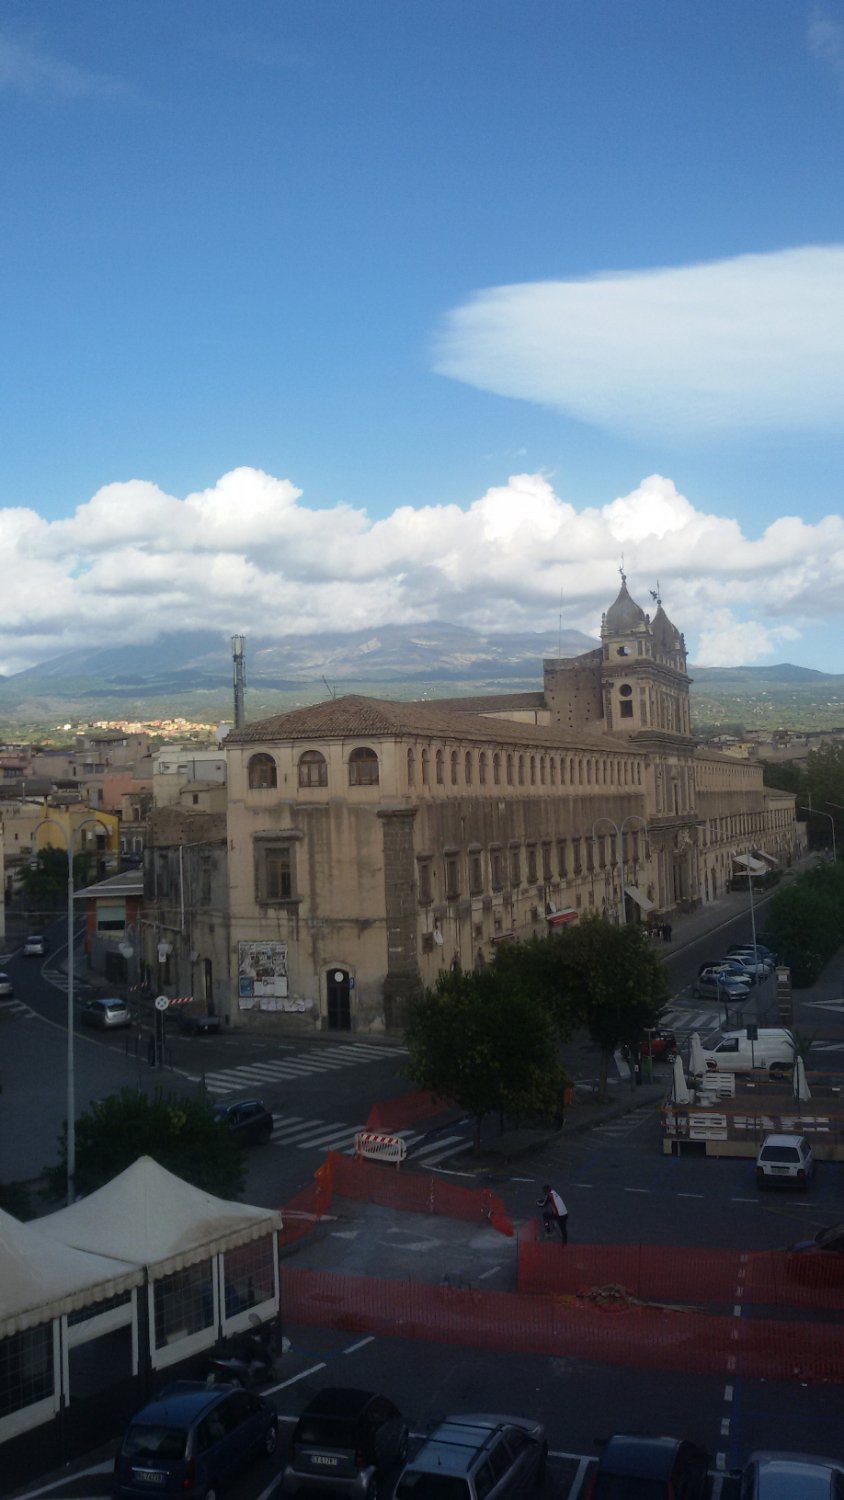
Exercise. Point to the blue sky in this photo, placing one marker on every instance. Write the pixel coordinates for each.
(391, 253)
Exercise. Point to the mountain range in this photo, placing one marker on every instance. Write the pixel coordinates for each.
(190, 675)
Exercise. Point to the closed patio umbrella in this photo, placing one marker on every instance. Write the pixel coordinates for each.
(697, 1061)
(799, 1087)
(679, 1091)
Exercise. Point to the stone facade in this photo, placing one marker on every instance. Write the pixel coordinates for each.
(372, 844)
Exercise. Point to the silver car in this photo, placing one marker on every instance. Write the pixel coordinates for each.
(7, 989)
(784, 1476)
(482, 1456)
(106, 1013)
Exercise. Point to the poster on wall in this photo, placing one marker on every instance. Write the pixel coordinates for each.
(261, 973)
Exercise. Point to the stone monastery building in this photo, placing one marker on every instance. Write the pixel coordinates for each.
(373, 843)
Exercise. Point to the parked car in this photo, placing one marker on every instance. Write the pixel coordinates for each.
(198, 1024)
(477, 1457)
(106, 1013)
(34, 946)
(192, 1440)
(715, 984)
(249, 1121)
(785, 1159)
(755, 966)
(772, 1048)
(730, 967)
(7, 989)
(797, 1476)
(633, 1465)
(345, 1443)
(761, 948)
(820, 1260)
(661, 1043)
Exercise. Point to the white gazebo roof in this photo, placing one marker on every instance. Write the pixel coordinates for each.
(149, 1216)
(40, 1279)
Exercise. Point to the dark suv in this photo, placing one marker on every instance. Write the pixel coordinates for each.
(191, 1441)
(345, 1443)
(477, 1457)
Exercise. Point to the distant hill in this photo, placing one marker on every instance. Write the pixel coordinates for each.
(190, 675)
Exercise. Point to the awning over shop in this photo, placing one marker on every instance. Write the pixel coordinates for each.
(747, 862)
(640, 898)
(768, 858)
(562, 918)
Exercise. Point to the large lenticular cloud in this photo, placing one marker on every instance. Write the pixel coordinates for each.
(752, 342)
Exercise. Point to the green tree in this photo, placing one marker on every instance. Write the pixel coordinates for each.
(180, 1133)
(824, 784)
(785, 776)
(805, 920)
(44, 881)
(610, 981)
(480, 1042)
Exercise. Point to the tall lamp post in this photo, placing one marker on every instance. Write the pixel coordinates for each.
(838, 807)
(817, 812)
(618, 830)
(68, 835)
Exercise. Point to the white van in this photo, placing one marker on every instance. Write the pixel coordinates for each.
(773, 1049)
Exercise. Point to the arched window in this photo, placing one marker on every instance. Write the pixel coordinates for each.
(313, 769)
(521, 770)
(589, 772)
(411, 767)
(509, 768)
(455, 762)
(262, 773)
(571, 772)
(467, 768)
(363, 767)
(426, 768)
(440, 765)
(533, 770)
(482, 768)
(542, 770)
(552, 769)
(496, 768)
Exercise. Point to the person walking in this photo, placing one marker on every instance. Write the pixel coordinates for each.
(554, 1211)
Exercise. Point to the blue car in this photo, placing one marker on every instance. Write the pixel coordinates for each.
(192, 1441)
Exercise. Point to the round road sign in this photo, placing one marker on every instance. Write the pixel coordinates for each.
(161, 1002)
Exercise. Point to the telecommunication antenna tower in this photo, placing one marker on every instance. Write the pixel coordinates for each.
(239, 678)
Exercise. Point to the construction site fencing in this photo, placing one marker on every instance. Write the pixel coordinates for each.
(681, 1274)
(644, 1337)
(416, 1192)
(380, 1183)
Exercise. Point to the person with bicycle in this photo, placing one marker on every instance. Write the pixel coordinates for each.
(554, 1211)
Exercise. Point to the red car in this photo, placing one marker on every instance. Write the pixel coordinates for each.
(661, 1043)
(819, 1261)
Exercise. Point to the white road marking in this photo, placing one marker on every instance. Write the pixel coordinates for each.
(361, 1343)
(303, 1375)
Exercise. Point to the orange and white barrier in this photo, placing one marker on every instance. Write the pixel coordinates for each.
(380, 1147)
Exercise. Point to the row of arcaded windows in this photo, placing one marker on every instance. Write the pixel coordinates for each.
(509, 768)
(313, 770)
(498, 866)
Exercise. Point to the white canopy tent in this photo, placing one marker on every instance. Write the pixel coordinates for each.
(40, 1280)
(747, 862)
(148, 1215)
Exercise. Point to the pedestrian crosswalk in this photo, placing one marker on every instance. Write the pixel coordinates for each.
(683, 1020)
(15, 1008)
(295, 1132)
(303, 1064)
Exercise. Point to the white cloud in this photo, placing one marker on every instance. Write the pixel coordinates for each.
(826, 42)
(249, 554)
(25, 69)
(757, 341)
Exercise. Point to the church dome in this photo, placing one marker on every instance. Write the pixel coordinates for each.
(624, 614)
(666, 635)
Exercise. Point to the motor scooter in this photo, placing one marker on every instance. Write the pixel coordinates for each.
(254, 1359)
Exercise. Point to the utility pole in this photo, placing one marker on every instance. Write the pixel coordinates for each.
(239, 679)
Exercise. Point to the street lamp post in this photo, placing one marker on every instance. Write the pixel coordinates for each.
(618, 830)
(838, 807)
(817, 812)
(67, 835)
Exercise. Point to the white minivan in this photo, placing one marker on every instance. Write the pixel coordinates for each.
(773, 1049)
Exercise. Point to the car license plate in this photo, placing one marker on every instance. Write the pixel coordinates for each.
(780, 1171)
(326, 1460)
(149, 1476)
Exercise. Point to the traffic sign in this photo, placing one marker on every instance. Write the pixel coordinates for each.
(161, 1002)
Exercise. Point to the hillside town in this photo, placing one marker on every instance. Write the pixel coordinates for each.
(315, 870)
